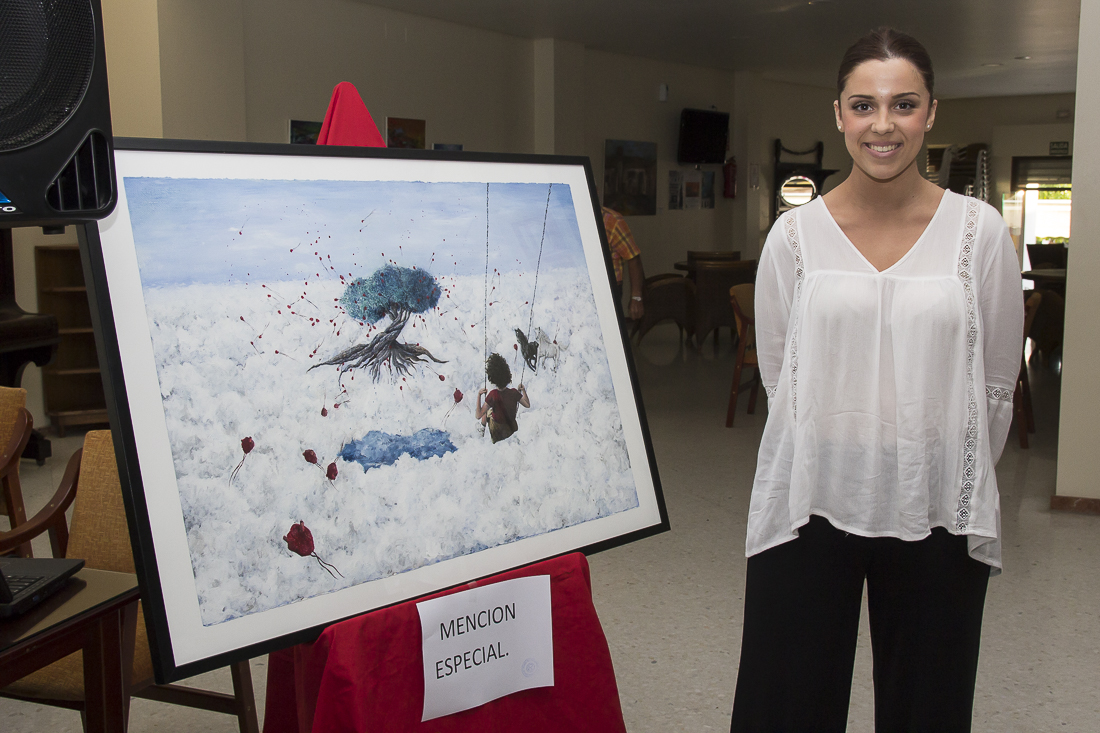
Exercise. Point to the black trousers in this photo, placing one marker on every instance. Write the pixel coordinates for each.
(802, 605)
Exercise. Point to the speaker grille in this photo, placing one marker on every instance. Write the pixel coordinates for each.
(47, 51)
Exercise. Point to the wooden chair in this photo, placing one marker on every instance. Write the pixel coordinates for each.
(667, 296)
(713, 281)
(743, 300)
(15, 429)
(1021, 399)
(99, 534)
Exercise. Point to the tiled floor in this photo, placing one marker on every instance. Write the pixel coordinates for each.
(671, 604)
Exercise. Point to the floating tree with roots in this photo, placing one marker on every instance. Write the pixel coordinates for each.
(397, 293)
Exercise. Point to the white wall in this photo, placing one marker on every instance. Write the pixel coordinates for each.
(1078, 432)
(798, 115)
(472, 86)
(488, 91)
(558, 108)
(965, 121)
(1009, 141)
(131, 37)
(620, 103)
(202, 69)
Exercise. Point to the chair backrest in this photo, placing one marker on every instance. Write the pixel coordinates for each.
(12, 400)
(98, 532)
(743, 299)
(1031, 307)
(713, 281)
(1043, 256)
(725, 275)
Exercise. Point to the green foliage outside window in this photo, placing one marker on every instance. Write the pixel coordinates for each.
(1064, 194)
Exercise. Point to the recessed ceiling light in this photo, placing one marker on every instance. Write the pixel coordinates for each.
(1023, 58)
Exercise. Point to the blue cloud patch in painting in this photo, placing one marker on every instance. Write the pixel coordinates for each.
(383, 449)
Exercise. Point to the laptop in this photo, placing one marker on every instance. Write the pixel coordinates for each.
(26, 582)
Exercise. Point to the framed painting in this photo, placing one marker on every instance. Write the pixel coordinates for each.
(630, 177)
(344, 378)
(406, 132)
(305, 132)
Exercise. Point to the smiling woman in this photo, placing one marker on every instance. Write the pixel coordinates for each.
(888, 323)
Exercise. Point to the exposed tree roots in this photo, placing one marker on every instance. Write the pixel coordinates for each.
(383, 350)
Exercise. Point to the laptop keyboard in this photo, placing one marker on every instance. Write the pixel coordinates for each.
(19, 583)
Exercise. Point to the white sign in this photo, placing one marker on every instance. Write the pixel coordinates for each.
(486, 643)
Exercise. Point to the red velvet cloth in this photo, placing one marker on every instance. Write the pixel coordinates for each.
(367, 673)
(347, 121)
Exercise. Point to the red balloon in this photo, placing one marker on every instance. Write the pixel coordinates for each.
(458, 396)
(331, 473)
(299, 539)
(247, 444)
(310, 456)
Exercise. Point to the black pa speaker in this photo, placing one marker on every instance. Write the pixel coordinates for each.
(56, 164)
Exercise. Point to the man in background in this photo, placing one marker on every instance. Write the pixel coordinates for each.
(624, 248)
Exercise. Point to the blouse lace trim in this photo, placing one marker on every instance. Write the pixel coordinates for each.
(770, 391)
(792, 239)
(998, 393)
(966, 259)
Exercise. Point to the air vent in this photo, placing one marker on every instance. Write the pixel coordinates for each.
(85, 183)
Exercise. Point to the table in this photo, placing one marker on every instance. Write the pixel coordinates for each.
(96, 612)
(691, 265)
(1048, 279)
(1051, 275)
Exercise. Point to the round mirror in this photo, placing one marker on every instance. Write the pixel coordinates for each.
(797, 190)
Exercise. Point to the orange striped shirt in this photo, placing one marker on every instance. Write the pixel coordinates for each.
(619, 239)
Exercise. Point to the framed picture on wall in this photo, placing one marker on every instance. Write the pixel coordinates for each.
(300, 345)
(405, 132)
(304, 132)
(630, 177)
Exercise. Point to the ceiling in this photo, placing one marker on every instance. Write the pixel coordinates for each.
(802, 40)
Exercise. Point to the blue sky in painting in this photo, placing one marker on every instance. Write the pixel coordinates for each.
(190, 231)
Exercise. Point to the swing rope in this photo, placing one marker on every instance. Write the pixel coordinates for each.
(538, 265)
(485, 305)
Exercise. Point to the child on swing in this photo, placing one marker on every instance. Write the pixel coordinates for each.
(502, 404)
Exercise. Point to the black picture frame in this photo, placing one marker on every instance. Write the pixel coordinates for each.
(142, 492)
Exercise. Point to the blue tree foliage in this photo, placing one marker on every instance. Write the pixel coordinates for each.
(390, 291)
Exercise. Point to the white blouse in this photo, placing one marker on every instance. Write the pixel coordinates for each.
(889, 393)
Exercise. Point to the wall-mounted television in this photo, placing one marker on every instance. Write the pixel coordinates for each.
(704, 137)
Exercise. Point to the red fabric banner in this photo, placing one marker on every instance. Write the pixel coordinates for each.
(347, 121)
(367, 673)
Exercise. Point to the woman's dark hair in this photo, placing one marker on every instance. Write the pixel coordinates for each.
(497, 371)
(883, 44)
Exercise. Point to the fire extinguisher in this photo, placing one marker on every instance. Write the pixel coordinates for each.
(729, 179)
